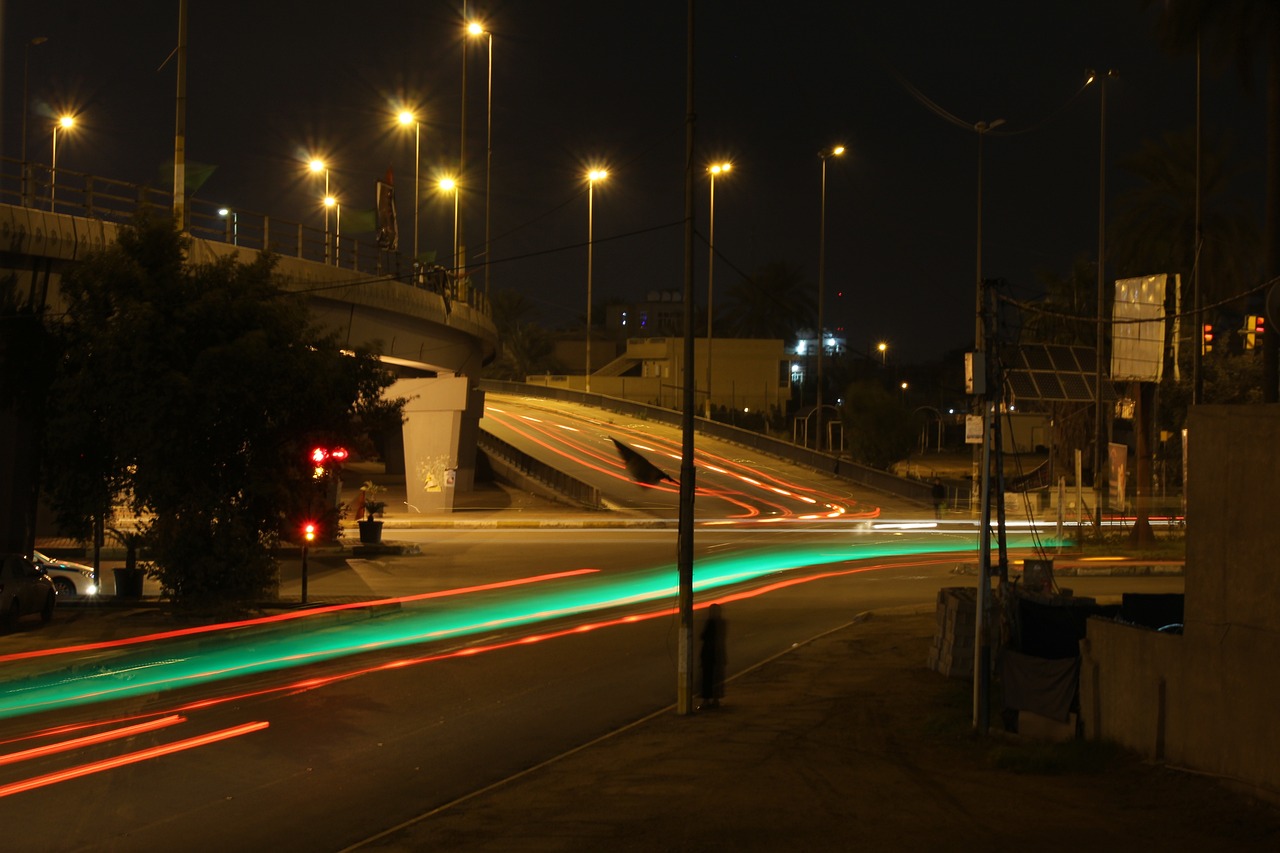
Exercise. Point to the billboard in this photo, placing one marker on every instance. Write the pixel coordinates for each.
(1138, 328)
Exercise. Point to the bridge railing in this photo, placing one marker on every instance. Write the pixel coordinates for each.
(36, 186)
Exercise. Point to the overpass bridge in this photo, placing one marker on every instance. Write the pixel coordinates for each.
(427, 322)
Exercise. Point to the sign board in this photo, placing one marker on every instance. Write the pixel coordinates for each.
(973, 429)
(1137, 328)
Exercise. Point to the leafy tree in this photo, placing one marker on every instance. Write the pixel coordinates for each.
(527, 349)
(1238, 31)
(776, 302)
(195, 391)
(878, 428)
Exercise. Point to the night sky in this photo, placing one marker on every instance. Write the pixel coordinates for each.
(580, 84)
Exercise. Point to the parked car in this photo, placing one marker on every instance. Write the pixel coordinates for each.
(24, 589)
(70, 579)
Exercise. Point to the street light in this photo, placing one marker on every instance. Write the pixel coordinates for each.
(1099, 456)
(408, 118)
(26, 106)
(477, 29)
(233, 225)
(713, 170)
(592, 176)
(317, 166)
(904, 393)
(65, 123)
(330, 201)
(883, 349)
(822, 272)
(450, 185)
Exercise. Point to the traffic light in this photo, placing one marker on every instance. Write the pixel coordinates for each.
(1208, 338)
(322, 456)
(1253, 326)
(309, 531)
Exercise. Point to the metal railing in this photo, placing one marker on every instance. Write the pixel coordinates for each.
(35, 186)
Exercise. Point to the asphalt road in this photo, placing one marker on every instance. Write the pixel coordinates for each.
(398, 732)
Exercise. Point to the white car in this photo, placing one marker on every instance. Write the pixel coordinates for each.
(72, 580)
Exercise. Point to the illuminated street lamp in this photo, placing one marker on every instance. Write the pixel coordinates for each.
(592, 176)
(317, 166)
(449, 185)
(233, 225)
(822, 273)
(407, 118)
(904, 393)
(330, 201)
(65, 123)
(477, 29)
(883, 349)
(713, 170)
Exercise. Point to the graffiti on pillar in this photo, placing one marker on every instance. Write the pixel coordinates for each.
(432, 473)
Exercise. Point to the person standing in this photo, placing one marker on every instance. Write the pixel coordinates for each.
(939, 492)
(713, 658)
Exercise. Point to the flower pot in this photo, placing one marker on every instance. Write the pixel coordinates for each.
(370, 532)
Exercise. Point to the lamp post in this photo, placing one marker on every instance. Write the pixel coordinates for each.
(408, 118)
(478, 29)
(713, 170)
(1099, 454)
(450, 185)
(330, 201)
(26, 106)
(592, 176)
(233, 225)
(904, 393)
(979, 333)
(317, 166)
(65, 123)
(883, 349)
(822, 273)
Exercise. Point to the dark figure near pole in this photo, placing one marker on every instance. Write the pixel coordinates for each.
(713, 658)
(939, 497)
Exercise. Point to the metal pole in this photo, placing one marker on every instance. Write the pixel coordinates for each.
(1099, 447)
(26, 107)
(981, 644)
(417, 182)
(822, 272)
(488, 168)
(180, 125)
(462, 146)
(591, 189)
(684, 546)
(53, 169)
(711, 266)
(304, 572)
(1197, 304)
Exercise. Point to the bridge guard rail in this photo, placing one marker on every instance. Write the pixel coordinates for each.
(523, 471)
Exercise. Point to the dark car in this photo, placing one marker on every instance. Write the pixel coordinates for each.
(24, 589)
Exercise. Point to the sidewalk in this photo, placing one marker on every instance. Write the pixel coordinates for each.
(845, 743)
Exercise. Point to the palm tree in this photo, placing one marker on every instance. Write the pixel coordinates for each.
(776, 302)
(1239, 31)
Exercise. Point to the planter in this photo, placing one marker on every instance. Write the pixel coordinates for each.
(129, 582)
(370, 532)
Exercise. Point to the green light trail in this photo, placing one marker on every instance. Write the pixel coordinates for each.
(186, 663)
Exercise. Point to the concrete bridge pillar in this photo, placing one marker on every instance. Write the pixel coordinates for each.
(442, 419)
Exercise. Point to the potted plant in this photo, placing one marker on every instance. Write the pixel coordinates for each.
(370, 528)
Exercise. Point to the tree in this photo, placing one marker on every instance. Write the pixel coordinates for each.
(195, 390)
(878, 428)
(776, 302)
(1240, 30)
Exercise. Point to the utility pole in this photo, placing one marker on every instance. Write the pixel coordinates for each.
(684, 545)
(180, 129)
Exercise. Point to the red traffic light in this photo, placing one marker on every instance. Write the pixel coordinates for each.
(309, 531)
(318, 455)
(338, 454)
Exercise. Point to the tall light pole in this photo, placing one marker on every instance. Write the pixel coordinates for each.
(26, 106)
(883, 349)
(477, 29)
(979, 333)
(317, 166)
(65, 123)
(1099, 450)
(592, 176)
(450, 185)
(712, 170)
(458, 249)
(822, 275)
(330, 201)
(408, 118)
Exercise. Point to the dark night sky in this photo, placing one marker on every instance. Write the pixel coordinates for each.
(579, 83)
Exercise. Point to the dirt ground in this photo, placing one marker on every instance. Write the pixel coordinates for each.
(847, 743)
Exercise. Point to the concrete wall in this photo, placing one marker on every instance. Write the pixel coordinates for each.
(442, 418)
(1219, 681)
